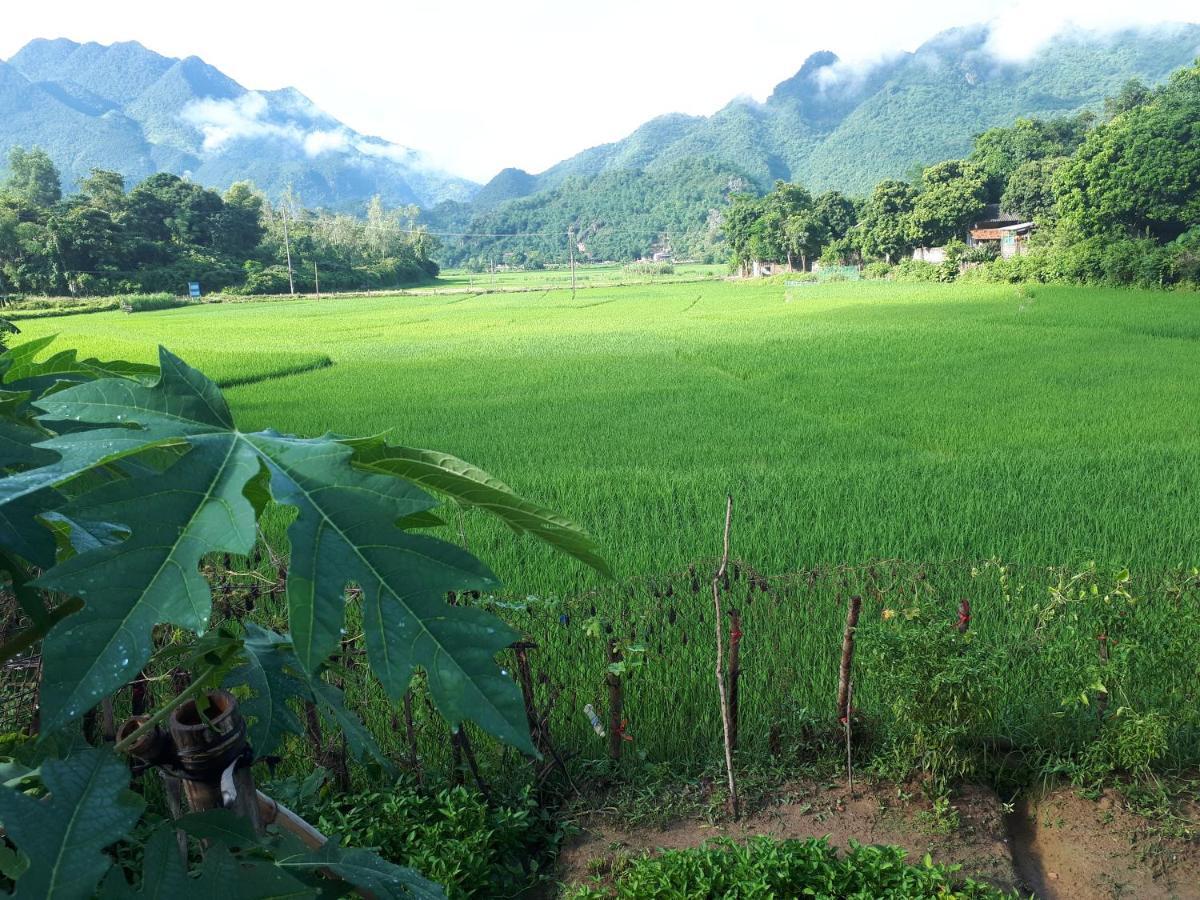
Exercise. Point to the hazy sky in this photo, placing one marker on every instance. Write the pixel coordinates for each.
(483, 85)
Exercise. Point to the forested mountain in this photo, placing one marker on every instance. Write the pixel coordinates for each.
(830, 126)
(847, 127)
(125, 108)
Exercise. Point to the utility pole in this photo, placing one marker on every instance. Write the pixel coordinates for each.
(316, 279)
(287, 246)
(571, 247)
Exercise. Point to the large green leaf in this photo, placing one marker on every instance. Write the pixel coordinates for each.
(224, 876)
(366, 870)
(164, 876)
(275, 677)
(269, 670)
(472, 486)
(174, 519)
(346, 532)
(89, 808)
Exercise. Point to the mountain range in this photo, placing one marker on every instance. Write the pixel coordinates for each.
(831, 125)
(844, 126)
(127, 108)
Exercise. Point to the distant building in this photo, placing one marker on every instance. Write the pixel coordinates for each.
(1003, 230)
(997, 228)
(930, 254)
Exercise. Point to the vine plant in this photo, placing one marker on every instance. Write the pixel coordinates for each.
(118, 480)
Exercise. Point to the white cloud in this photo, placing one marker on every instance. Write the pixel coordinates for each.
(318, 142)
(222, 121)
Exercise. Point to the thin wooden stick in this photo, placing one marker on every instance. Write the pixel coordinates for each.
(843, 699)
(725, 719)
(616, 704)
(849, 757)
(735, 671)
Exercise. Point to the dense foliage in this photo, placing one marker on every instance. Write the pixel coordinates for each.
(119, 479)
(1114, 201)
(471, 845)
(767, 867)
(622, 216)
(166, 232)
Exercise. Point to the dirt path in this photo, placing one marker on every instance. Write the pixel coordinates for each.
(1060, 846)
(1067, 847)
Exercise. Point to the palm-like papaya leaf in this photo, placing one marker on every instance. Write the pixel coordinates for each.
(471, 486)
(368, 871)
(345, 533)
(89, 808)
(164, 876)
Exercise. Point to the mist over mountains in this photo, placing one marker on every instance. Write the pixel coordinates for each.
(127, 108)
(831, 125)
(844, 126)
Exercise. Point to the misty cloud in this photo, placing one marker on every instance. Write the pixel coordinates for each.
(252, 116)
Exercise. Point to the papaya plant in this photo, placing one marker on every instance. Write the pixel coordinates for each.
(118, 481)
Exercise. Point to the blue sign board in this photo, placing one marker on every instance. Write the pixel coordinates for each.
(194, 289)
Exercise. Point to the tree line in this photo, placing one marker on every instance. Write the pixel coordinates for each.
(1115, 198)
(167, 231)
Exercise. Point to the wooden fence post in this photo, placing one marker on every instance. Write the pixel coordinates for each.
(843, 699)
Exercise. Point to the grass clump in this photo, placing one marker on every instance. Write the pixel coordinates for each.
(150, 302)
(764, 867)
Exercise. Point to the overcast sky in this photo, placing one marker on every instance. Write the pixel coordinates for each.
(483, 84)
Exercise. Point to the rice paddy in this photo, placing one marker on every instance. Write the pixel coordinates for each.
(940, 426)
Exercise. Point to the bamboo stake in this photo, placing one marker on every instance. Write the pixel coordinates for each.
(849, 756)
(735, 672)
(843, 699)
(726, 724)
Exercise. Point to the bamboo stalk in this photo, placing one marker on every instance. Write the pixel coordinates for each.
(726, 724)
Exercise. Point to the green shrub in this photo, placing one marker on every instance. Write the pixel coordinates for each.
(935, 681)
(451, 836)
(148, 302)
(919, 270)
(764, 867)
(649, 269)
(878, 269)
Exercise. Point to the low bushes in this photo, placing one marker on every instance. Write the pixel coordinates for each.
(149, 302)
(649, 269)
(452, 836)
(764, 867)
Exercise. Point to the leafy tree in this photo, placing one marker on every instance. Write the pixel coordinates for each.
(118, 508)
(886, 230)
(1140, 172)
(105, 190)
(33, 179)
(999, 152)
(1133, 93)
(953, 196)
(835, 214)
(1029, 192)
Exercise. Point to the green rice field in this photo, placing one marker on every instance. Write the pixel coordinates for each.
(925, 422)
(880, 439)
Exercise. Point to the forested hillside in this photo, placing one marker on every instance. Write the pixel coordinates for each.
(131, 110)
(831, 126)
(166, 232)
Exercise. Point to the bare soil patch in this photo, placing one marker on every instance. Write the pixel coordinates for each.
(1058, 846)
(873, 814)
(1067, 847)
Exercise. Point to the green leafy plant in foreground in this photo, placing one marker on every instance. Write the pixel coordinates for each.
(764, 867)
(120, 479)
(453, 835)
